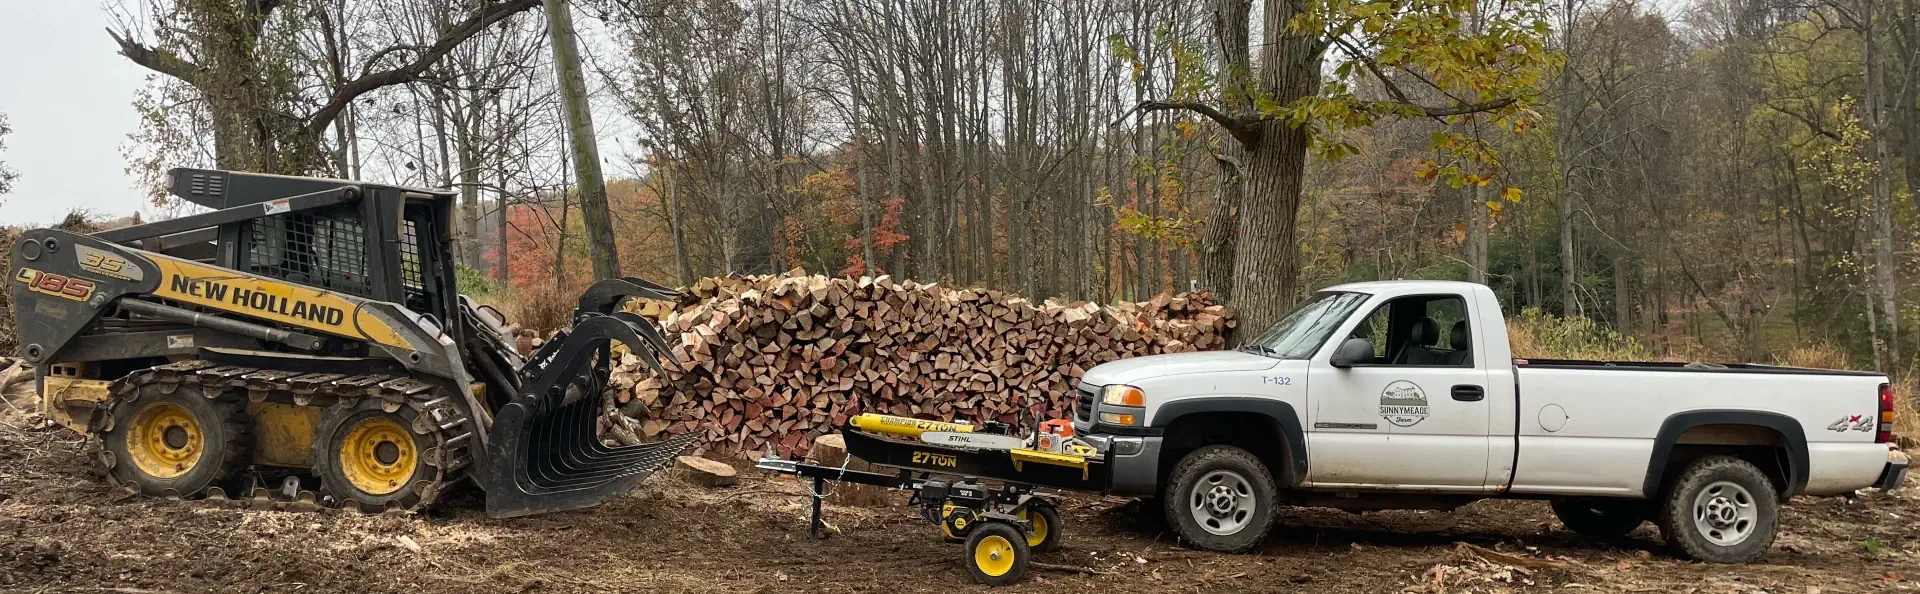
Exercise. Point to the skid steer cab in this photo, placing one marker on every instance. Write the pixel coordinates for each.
(303, 342)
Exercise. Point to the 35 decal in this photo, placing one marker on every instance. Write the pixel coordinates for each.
(58, 285)
(106, 264)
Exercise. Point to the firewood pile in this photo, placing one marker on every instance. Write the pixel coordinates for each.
(771, 362)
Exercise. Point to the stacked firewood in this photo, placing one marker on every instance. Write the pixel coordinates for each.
(771, 362)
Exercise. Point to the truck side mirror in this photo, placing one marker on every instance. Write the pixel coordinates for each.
(1355, 351)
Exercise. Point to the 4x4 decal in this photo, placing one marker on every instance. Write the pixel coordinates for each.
(1861, 423)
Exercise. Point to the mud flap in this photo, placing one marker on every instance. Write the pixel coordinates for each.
(544, 451)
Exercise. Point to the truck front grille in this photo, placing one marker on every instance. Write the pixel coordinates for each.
(1083, 406)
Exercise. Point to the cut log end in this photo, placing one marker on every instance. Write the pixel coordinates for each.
(707, 473)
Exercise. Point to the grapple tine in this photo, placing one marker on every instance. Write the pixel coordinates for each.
(653, 341)
(545, 451)
(660, 291)
(604, 296)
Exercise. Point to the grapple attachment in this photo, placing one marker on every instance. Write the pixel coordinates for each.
(544, 450)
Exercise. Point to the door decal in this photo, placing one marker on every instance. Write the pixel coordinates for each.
(1403, 404)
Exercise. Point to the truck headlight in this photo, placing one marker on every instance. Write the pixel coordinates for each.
(1124, 419)
(1123, 395)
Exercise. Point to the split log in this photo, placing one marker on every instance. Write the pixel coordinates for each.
(777, 363)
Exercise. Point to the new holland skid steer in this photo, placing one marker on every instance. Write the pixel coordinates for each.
(305, 341)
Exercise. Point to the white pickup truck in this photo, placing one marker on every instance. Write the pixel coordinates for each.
(1405, 395)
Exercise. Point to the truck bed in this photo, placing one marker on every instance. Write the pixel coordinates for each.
(1592, 427)
(1678, 366)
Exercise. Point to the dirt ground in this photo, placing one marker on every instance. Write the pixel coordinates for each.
(62, 530)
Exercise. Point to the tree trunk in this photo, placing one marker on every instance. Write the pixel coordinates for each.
(469, 221)
(1881, 188)
(1476, 223)
(560, 242)
(676, 219)
(1216, 250)
(860, 164)
(1216, 244)
(1267, 256)
(586, 152)
(1564, 136)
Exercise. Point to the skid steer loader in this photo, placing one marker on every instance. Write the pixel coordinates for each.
(304, 340)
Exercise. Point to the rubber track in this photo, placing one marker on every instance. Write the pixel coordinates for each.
(437, 414)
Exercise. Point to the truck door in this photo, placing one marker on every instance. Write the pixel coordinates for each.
(1416, 416)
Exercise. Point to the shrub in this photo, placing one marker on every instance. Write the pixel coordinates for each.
(542, 309)
(1536, 334)
(1816, 355)
(472, 281)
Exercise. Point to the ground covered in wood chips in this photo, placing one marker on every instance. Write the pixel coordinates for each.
(63, 530)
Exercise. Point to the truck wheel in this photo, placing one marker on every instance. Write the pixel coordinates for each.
(1600, 518)
(1720, 510)
(1220, 498)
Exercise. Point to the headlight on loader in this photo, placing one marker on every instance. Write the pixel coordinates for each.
(1123, 395)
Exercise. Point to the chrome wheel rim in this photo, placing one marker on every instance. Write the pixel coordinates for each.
(1222, 503)
(1725, 513)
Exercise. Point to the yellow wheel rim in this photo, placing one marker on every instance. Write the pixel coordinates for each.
(165, 441)
(994, 556)
(378, 456)
(1039, 534)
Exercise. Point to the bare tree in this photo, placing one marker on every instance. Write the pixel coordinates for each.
(7, 176)
(585, 147)
(237, 58)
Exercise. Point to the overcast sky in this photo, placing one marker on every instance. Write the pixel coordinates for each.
(69, 99)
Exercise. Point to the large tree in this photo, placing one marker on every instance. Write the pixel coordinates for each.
(1453, 60)
(241, 60)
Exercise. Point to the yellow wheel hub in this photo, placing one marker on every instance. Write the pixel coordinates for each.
(1039, 533)
(165, 441)
(378, 456)
(994, 556)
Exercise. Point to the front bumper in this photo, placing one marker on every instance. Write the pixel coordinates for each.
(1133, 463)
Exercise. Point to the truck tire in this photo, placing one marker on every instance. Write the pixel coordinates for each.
(1600, 518)
(1220, 498)
(1720, 509)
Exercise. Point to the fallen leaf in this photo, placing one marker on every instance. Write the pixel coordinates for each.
(408, 543)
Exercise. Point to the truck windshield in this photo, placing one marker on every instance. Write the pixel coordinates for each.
(1301, 332)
